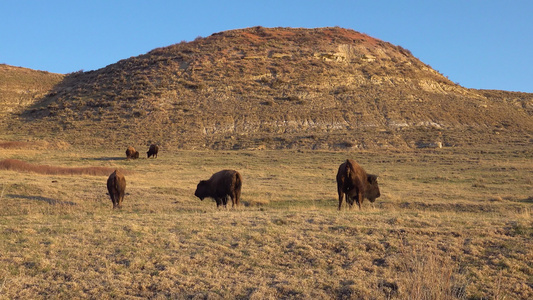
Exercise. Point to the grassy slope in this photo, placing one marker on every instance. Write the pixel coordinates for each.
(276, 88)
(452, 223)
(21, 87)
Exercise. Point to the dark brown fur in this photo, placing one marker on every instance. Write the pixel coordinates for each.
(221, 185)
(131, 153)
(116, 185)
(154, 149)
(353, 181)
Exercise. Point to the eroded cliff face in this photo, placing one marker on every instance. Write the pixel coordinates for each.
(322, 88)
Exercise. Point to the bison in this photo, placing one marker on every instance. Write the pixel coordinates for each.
(153, 151)
(221, 185)
(131, 153)
(116, 185)
(353, 181)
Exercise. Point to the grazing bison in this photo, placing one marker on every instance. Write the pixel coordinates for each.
(116, 185)
(353, 181)
(221, 185)
(153, 151)
(131, 153)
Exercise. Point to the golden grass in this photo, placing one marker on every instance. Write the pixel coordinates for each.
(37, 145)
(21, 166)
(434, 234)
(17, 145)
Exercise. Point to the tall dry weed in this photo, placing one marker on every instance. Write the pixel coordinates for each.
(3, 191)
(429, 275)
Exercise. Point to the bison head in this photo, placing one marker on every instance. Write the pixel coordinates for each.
(372, 189)
(202, 190)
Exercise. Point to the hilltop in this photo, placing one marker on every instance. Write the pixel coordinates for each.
(324, 88)
(21, 87)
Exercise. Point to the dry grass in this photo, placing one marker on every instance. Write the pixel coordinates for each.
(434, 233)
(272, 88)
(16, 145)
(21, 87)
(37, 145)
(21, 166)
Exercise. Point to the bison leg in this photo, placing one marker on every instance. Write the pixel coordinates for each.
(221, 201)
(114, 199)
(349, 200)
(120, 199)
(235, 199)
(341, 196)
(359, 199)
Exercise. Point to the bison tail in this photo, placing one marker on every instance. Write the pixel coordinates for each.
(237, 188)
(238, 181)
(115, 183)
(349, 168)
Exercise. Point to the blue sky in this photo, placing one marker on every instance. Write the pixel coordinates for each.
(478, 44)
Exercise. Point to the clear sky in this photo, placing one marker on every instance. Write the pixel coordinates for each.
(484, 44)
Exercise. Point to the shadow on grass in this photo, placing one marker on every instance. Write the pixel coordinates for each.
(107, 158)
(527, 200)
(50, 201)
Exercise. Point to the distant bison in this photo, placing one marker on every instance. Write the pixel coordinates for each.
(116, 185)
(221, 185)
(132, 153)
(153, 151)
(353, 181)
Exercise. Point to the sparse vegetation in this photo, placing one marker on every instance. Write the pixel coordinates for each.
(20, 88)
(451, 223)
(21, 166)
(431, 235)
(333, 83)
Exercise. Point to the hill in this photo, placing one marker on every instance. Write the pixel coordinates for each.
(21, 87)
(324, 88)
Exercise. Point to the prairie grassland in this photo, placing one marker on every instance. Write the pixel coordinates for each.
(450, 224)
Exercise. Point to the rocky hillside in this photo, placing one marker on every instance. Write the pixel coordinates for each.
(326, 88)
